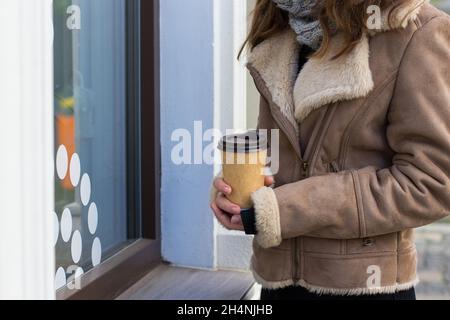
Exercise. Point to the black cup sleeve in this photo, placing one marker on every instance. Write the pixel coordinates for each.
(249, 221)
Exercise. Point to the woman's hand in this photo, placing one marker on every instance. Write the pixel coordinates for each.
(228, 213)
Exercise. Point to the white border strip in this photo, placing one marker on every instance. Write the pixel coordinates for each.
(26, 144)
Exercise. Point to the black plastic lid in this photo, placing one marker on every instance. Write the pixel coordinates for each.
(251, 141)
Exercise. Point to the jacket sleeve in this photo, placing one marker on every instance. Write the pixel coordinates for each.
(413, 192)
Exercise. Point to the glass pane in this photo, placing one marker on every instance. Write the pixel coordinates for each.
(90, 133)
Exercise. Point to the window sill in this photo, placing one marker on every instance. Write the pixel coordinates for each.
(117, 273)
(172, 283)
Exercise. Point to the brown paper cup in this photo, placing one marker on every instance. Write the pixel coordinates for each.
(244, 159)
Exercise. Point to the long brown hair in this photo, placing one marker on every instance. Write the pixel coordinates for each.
(349, 17)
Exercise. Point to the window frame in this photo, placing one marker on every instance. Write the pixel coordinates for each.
(118, 273)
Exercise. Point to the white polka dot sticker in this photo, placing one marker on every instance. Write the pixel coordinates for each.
(55, 228)
(60, 279)
(62, 162)
(85, 189)
(75, 170)
(93, 218)
(76, 246)
(66, 225)
(96, 252)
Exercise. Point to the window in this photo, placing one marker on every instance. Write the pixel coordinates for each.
(95, 214)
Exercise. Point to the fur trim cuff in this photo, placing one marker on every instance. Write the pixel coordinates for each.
(267, 218)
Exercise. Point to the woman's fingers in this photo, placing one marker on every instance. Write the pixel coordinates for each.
(238, 226)
(236, 219)
(228, 213)
(269, 181)
(229, 222)
(223, 218)
(226, 205)
(221, 186)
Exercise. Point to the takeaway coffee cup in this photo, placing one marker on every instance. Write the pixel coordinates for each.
(244, 158)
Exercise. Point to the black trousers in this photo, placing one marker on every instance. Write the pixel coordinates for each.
(299, 293)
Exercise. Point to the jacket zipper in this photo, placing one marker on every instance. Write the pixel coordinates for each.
(295, 254)
(305, 169)
(320, 136)
(306, 172)
(295, 258)
(296, 276)
(334, 167)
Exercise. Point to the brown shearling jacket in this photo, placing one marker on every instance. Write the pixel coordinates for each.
(340, 219)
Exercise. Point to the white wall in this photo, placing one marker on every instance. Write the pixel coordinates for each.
(26, 150)
(187, 94)
(201, 80)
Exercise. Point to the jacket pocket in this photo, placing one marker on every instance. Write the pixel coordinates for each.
(273, 264)
(385, 243)
(319, 245)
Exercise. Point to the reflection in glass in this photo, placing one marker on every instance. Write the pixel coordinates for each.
(90, 132)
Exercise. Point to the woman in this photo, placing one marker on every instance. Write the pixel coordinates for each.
(362, 102)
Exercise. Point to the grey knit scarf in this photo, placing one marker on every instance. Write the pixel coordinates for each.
(308, 29)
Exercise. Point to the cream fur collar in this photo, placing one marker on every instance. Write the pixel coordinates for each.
(321, 81)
